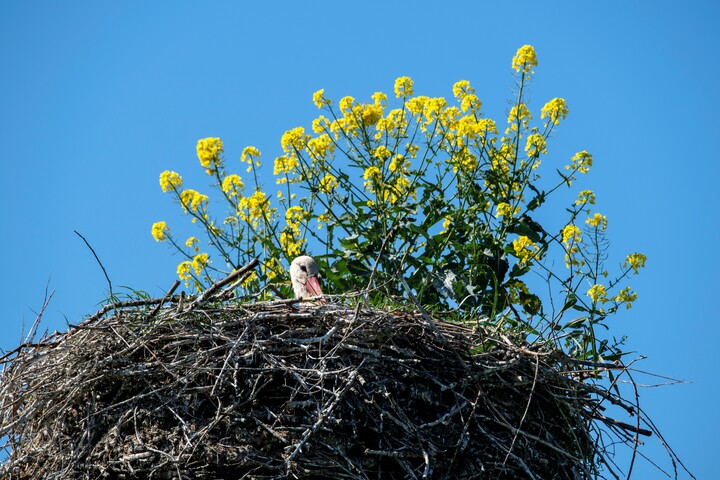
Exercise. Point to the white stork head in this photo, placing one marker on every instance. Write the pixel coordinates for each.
(304, 275)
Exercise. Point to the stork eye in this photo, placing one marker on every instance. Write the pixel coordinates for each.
(303, 268)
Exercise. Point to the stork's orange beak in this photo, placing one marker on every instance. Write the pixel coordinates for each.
(313, 286)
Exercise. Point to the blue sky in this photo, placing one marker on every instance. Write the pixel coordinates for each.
(97, 98)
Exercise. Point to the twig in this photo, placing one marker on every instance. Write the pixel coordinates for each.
(241, 272)
(167, 296)
(112, 297)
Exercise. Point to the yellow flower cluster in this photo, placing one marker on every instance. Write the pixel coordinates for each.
(328, 183)
(597, 293)
(271, 268)
(158, 231)
(555, 110)
(465, 94)
(597, 221)
(464, 162)
(250, 156)
(585, 197)
(403, 87)
(322, 219)
(208, 152)
(170, 181)
(294, 140)
(506, 210)
(199, 262)
(290, 238)
(519, 116)
(192, 242)
(321, 147)
(626, 296)
(371, 114)
(635, 261)
(319, 98)
(232, 185)
(525, 249)
(581, 161)
(286, 164)
(571, 237)
(371, 176)
(193, 201)
(249, 153)
(525, 59)
(535, 146)
(254, 208)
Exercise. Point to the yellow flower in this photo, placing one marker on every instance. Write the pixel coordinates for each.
(285, 164)
(271, 268)
(382, 152)
(291, 247)
(525, 59)
(446, 224)
(585, 197)
(626, 296)
(535, 145)
(581, 161)
(294, 139)
(248, 154)
(525, 249)
(464, 161)
(635, 261)
(232, 185)
(320, 124)
(379, 98)
(328, 183)
(170, 180)
(470, 102)
(192, 242)
(254, 207)
(208, 152)
(399, 164)
(249, 280)
(556, 110)
(505, 210)
(403, 87)
(371, 114)
(319, 98)
(183, 270)
(158, 231)
(597, 293)
(519, 114)
(571, 234)
(461, 89)
(200, 261)
(597, 220)
(372, 175)
(191, 200)
(416, 105)
(295, 215)
(320, 146)
(346, 104)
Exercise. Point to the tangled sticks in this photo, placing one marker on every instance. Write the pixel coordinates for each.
(275, 390)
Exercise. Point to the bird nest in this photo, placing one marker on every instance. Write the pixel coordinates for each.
(282, 389)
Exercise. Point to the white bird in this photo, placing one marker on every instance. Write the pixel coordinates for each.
(305, 279)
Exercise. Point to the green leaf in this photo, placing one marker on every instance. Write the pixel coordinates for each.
(570, 301)
(577, 322)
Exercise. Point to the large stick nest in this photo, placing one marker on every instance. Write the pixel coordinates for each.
(276, 390)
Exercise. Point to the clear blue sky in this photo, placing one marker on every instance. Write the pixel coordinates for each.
(97, 98)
